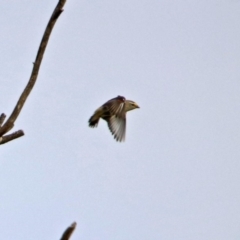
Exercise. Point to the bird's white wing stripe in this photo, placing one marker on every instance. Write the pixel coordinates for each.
(118, 127)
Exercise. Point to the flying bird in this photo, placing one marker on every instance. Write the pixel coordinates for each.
(114, 112)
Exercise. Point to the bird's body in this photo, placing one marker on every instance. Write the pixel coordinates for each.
(114, 112)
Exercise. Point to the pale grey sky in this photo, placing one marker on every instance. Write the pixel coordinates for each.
(177, 175)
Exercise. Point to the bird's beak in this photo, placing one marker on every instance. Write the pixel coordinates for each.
(136, 106)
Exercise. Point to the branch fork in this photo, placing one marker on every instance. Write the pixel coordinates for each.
(6, 126)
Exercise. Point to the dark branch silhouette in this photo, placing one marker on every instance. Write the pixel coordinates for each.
(9, 124)
(11, 136)
(68, 232)
(2, 118)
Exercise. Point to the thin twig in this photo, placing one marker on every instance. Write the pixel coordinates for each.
(2, 118)
(11, 136)
(36, 66)
(68, 232)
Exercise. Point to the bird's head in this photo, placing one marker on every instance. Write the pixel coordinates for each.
(130, 105)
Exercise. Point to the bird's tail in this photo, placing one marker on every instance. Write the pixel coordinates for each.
(93, 121)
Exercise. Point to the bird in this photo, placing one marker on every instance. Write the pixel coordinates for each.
(114, 113)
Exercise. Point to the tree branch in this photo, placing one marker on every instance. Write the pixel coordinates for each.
(68, 232)
(2, 118)
(11, 136)
(8, 125)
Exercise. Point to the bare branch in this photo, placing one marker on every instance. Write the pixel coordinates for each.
(11, 136)
(36, 66)
(68, 232)
(2, 118)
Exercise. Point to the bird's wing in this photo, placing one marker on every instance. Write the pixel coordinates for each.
(117, 119)
(116, 106)
(117, 126)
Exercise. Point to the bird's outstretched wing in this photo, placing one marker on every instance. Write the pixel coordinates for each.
(117, 127)
(117, 119)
